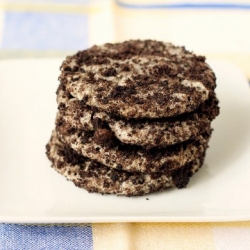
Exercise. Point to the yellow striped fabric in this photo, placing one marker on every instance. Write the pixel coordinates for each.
(170, 236)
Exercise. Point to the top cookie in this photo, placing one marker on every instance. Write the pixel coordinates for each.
(138, 79)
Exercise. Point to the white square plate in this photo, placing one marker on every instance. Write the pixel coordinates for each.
(32, 192)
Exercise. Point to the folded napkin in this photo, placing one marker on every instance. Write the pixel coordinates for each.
(127, 236)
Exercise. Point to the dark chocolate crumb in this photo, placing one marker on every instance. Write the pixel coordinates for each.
(110, 72)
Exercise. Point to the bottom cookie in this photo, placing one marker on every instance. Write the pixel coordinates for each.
(95, 177)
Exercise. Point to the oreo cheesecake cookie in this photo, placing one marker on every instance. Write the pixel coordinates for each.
(148, 133)
(138, 79)
(133, 117)
(96, 177)
(105, 148)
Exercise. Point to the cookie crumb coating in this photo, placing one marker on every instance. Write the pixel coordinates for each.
(139, 79)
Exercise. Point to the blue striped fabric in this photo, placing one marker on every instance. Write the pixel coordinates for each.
(184, 5)
(44, 31)
(22, 237)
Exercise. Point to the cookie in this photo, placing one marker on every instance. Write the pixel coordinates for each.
(102, 146)
(95, 177)
(144, 132)
(138, 79)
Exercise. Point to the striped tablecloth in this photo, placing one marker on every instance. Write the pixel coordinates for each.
(51, 28)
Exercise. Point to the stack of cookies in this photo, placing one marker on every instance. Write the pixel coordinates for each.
(133, 117)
